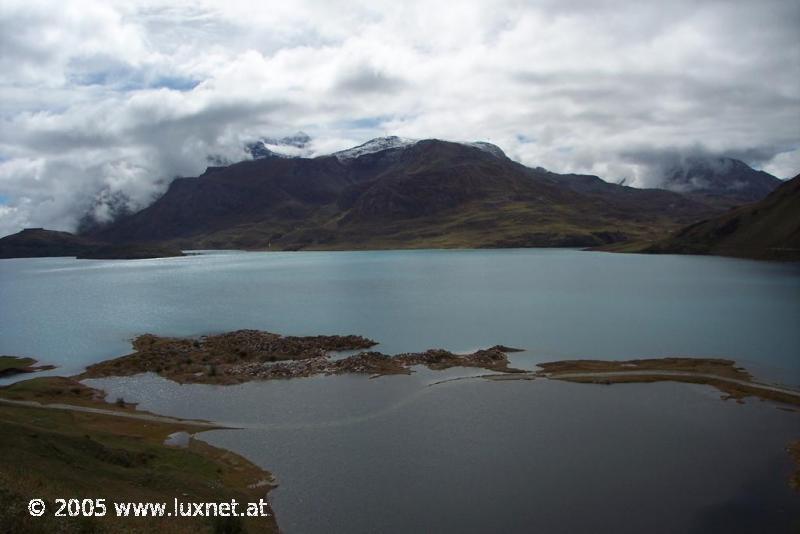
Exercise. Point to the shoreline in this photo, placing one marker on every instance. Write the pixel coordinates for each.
(249, 355)
(253, 355)
(14, 365)
(76, 449)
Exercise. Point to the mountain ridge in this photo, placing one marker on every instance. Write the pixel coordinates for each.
(719, 180)
(38, 243)
(394, 192)
(767, 229)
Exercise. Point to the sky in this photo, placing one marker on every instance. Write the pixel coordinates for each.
(103, 103)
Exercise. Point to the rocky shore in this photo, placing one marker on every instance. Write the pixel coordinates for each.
(245, 355)
(376, 363)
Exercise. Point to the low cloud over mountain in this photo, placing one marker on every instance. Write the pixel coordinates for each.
(697, 171)
(120, 98)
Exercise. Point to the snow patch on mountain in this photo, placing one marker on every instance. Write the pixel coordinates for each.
(487, 147)
(291, 146)
(379, 144)
(299, 146)
(261, 150)
(297, 140)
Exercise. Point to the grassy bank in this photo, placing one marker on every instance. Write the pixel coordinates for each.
(49, 454)
(12, 365)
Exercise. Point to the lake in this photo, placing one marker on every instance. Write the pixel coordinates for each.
(400, 454)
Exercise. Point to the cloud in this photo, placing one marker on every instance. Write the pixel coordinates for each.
(103, 103)
(367, 79)
(653, 164)
(785, 164)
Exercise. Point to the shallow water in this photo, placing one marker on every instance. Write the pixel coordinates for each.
(396, 454)
(178, 439)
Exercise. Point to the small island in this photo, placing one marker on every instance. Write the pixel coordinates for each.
(245, 355)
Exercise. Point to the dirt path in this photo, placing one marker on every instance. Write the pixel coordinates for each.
(116, 413)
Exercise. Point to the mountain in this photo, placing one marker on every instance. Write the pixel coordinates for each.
(399, 193)
(289, 146)
(38, 243)
(258, 150)
(768, 229)
(720, 180)
(373, 146)
(646, 201)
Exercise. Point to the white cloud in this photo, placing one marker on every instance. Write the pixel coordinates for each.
(102, 101)
(785, 165)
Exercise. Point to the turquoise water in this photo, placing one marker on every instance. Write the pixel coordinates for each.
(404, 454)
(557, 304)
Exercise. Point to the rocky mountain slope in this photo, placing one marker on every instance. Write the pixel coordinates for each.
(397, 193)
(768, 229)
(722, 181)
(393, 192)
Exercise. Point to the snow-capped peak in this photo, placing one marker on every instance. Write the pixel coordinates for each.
(297, 146)
(298, 140)
(259, 150)
(494, 150)
(372, 146)
(380, 144)
(291, 146)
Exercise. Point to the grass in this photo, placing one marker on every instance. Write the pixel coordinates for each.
(766, 230)
(51, 454)
(475, 224)
(714, 366)
(58, 390)
(10, 363)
